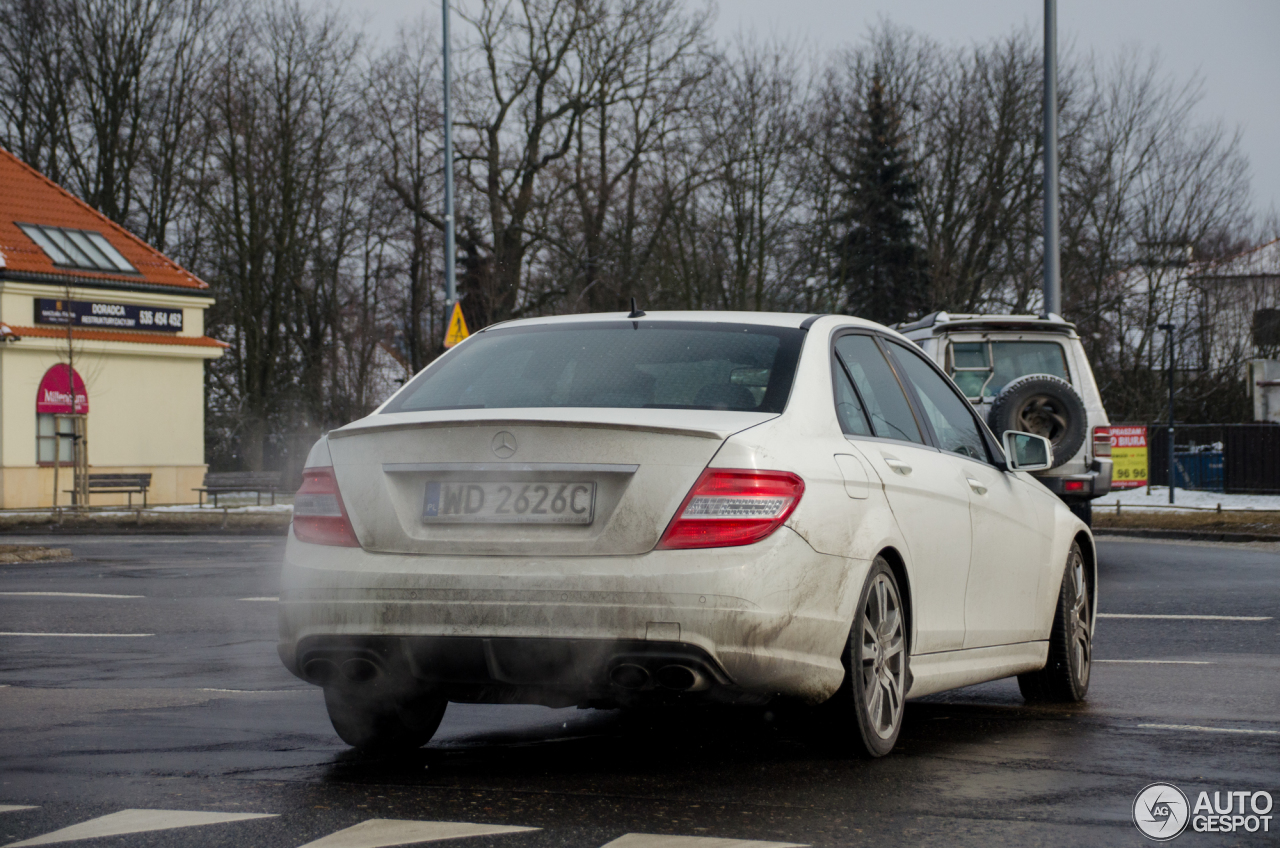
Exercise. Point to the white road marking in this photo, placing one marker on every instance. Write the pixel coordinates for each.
(252, 691)
(98, 635)
(136, 821)
(1159, 662)
(63, 595)
(1197, 727)
(13, 808)
(260, 599)
(1187, 617)
(654, 840)
(377, 833)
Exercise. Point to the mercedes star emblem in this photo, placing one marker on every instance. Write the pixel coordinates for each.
(504, 444)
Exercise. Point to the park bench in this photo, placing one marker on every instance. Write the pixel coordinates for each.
(130, 484)
(224, 482)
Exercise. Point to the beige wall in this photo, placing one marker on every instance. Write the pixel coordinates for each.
(33, 486)
(146, 404)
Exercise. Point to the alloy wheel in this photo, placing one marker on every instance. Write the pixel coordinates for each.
(883, 657)
(1081, 632)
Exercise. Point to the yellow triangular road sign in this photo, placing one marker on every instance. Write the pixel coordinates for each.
(457, 327)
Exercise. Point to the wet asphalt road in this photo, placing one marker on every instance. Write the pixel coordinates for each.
(201, 716)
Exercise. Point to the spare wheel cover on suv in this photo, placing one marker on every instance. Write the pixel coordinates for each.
(1046, 406)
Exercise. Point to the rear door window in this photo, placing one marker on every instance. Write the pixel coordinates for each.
(950, 415)
(878, 386)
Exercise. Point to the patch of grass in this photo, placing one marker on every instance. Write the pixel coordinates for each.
(1222, 522)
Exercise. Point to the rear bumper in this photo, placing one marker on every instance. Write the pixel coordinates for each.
(1095, 483)
(752, 621)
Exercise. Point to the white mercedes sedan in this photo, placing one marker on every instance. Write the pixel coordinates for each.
(629, 510)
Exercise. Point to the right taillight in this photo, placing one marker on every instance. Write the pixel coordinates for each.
(1102, 441)
(729, 507)
(319, 516)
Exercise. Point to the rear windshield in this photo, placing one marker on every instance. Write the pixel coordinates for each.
(619, 364)
(982, 369)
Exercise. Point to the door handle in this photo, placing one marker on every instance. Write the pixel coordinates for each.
(977, 486)
(897, 465)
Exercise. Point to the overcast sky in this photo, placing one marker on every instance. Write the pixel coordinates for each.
(1232, 44)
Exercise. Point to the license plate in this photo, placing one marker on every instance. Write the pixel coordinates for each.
(509, 503)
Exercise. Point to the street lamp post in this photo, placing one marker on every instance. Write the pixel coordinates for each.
(450, 290)
(1052, 280)
(1168, 335)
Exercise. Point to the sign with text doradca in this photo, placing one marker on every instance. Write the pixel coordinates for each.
(107, 316)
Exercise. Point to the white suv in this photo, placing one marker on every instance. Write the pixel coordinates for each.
(1030, 374)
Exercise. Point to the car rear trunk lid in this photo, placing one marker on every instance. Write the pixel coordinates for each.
(434, 482)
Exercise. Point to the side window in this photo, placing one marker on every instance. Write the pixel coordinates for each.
(951, 416)
(886, 405)
(853, 419)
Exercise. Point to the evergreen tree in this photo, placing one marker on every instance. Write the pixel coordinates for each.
(881, 266)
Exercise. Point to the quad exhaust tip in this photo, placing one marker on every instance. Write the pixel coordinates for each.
(677, 678)
(321, 671)
(630, 676)
(359, 670)
(325, 671)
(681, 678)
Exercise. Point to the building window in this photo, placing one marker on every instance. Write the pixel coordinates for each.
(47, 441)
(77, 248)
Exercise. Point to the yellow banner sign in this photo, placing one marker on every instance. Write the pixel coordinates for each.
(1128, 457)
(457, 327)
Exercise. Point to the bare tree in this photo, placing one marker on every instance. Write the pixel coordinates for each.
(278, 212)
(404, 102)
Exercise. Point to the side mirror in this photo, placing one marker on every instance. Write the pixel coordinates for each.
(1027, 452)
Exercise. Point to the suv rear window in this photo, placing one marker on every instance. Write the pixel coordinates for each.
(620, 364)
(982, 369)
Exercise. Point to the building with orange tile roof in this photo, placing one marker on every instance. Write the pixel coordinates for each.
(78, 290)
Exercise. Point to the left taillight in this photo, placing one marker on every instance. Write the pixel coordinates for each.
(319, 516)
(729, 507)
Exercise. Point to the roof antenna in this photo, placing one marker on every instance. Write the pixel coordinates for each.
(636, 312)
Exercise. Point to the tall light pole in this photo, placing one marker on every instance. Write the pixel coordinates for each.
(1168, 335)
(450, 282)
(1052, 281)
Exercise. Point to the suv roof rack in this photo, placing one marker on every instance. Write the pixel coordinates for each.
(938, 321)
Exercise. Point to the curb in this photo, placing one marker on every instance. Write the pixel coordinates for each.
(144, 530)
(1184, 535)
(152, 525)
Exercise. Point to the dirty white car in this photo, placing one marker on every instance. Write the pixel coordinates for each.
(609, 510)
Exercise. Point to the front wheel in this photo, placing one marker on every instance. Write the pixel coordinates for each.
(1065, 678)
(873, 695)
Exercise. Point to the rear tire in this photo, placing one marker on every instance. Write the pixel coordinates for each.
(872, 698)
(1065, 678)
(380, 725)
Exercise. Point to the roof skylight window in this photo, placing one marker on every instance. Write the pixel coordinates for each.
(77, 248)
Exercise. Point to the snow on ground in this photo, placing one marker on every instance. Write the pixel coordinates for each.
(1184, 498)
(280, 507)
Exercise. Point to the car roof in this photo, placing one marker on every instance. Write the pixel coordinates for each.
(769, 319)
